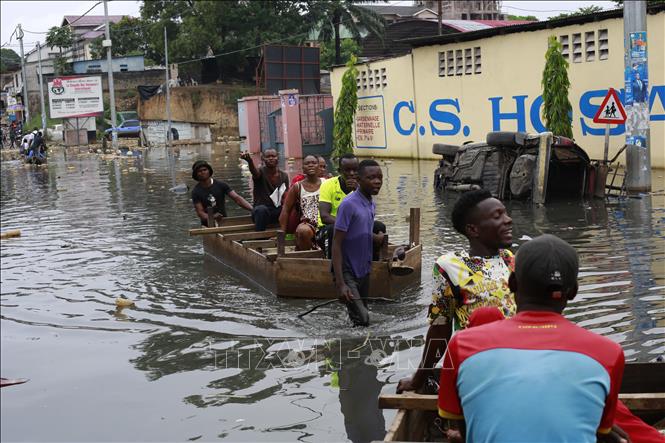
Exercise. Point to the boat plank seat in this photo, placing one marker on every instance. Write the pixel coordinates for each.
(253, 235)
(297, 254)
(269, 243)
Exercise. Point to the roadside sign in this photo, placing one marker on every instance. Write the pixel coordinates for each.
(611, 110)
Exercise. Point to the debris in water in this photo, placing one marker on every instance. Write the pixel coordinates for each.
(10, 234)
(123, 302)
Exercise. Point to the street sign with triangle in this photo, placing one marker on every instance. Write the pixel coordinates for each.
(611, 110)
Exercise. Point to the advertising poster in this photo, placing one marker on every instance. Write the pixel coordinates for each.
(75, 97)
(636, 78)
(370, 128)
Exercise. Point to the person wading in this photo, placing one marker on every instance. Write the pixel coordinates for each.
(270, 186)
(303, 197)
(209, 193)
(353, 242)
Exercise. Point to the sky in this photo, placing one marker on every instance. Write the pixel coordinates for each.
(39, 16)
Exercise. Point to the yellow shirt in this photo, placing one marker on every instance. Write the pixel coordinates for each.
(331, 192)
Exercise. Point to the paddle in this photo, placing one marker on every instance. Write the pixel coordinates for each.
(335, 299)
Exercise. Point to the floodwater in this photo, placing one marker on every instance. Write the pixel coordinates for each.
(204, 355)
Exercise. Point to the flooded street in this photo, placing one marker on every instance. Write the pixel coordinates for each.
(205, 355)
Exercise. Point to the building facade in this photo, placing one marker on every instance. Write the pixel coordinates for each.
(456, 88)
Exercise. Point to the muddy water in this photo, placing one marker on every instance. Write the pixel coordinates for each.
(205, 355)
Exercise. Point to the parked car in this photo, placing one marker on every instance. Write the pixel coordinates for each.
(128, 128)
(505, 164)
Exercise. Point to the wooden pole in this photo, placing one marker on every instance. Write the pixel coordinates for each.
(414, 227)
(281, 246)
(542, 168)
(211, 217)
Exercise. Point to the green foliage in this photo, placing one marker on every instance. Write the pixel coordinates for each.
(61, 67)
(128, 37)
(555, 83)
(348, 48)
(581, 11)
(61, 37)
(194, 27)
(9, 60)
(531, 18)
(328, 15)
(345, 111)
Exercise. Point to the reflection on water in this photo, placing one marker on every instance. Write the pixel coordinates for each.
(205, 354)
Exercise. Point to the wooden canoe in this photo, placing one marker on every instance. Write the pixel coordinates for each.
(642, 391)
(271, 263)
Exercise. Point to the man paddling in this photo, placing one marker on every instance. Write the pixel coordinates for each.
(464, 281)
(353, 242)
(209, 193)
(562, 380)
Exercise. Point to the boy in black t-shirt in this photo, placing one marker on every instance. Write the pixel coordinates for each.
(212, 193)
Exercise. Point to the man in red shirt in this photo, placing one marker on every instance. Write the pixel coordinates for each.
(535, 377)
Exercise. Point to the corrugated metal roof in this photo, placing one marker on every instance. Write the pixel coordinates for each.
(477, 25)
(89, 20)
(402, 11)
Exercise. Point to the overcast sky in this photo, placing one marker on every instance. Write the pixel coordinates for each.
(39, 16)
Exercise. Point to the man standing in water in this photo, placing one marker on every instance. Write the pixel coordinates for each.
(464, 281)
(209, 193)
(270, 185)
(353, 242)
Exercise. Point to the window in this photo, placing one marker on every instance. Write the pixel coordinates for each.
(589, 46)
(468, 62)
(465, 61)
(577, 48)
(565, 46)
(370, 79)
(603, 45)
(363, 79)
(450, 63)
(459, 68)
(384, 78)
(442, 64)
(377, 79)
(476, 60)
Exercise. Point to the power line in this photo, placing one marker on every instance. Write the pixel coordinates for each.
(539, 10)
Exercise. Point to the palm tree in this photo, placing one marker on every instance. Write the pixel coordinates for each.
(328, 15)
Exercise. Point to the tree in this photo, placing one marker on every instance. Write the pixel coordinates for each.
(349, 48)
(329, 15)
(531, 18)
(9, 60)
(235, 28)
(128, 37)
(345, 111)
(581, 11)
(63, 38)
(555, 83)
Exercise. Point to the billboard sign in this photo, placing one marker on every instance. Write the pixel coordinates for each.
(75, 97)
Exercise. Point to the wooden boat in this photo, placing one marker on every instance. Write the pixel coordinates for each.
(642, 391)
(270, 261)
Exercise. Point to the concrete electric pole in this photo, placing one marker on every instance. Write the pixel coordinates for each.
(41, 87)
(109, 64)
(638, 154)
(24, 77)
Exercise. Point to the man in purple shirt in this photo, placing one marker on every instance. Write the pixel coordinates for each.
(353, 241)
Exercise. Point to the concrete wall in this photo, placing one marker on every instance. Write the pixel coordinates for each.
(133, 63)
(505, 95)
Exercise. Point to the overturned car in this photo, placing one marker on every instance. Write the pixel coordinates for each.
(507, 164)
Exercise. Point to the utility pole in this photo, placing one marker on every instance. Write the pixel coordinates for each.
(24, 77)
(636, 72)
(41, 88)
(439, 11)
(109, 64)
(168, 96)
